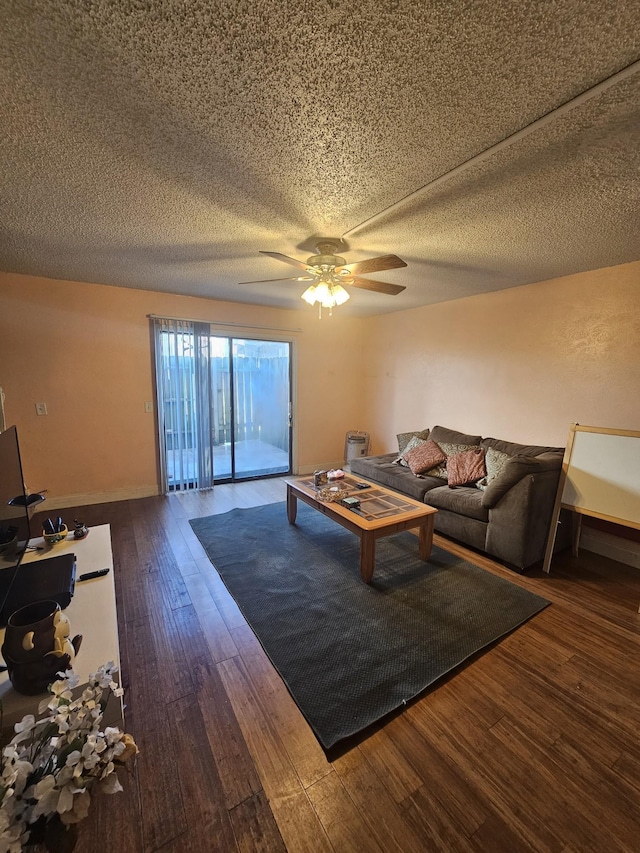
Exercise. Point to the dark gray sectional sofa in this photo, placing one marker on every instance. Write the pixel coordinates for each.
(508, 520)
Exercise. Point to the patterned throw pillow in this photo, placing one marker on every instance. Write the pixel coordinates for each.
(494, 461)
(405, 437)
(449, 450)
(423, 457)
(414, 442)
(466, 467)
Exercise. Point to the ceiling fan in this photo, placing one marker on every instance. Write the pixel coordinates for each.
(328, 272)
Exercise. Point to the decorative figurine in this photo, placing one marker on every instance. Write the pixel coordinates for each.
(80, 529)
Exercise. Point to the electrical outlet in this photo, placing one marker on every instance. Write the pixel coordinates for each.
(148, 407)
(41, 409)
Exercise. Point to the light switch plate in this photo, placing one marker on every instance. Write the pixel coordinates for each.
(41, 409)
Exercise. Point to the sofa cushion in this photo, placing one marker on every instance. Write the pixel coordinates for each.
(466, 501)
(494, 463)
(515, 468)
(452, 436)
(466, 467)
(414, 442)
(405, 437)
(383, 470)
(424, 457)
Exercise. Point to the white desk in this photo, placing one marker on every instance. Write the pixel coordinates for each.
(92, 613)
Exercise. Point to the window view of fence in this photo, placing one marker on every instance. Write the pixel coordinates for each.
(261, 394)
(224, 406)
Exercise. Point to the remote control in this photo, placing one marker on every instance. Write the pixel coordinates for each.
(362, 486)
(90, 575)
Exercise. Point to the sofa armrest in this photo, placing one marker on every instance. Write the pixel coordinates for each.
(519, 524)
(514, 470)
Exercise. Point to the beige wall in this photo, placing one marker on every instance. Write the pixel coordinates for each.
(519, 364)
(85, 351)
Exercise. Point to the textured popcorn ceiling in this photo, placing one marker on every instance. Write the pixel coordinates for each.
(161, 145)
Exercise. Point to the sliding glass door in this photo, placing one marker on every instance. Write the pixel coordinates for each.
(250, 408)
(224, 406)
(261, 442)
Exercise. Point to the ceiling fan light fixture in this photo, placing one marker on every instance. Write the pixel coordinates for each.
(339, 294)
(310, 295)
(326, 295)
(323, 294)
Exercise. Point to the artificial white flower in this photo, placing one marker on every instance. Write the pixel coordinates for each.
(25, 726)
(119, 748)
(15, 769)
(112, 735)
(80, 810)
(13, 838)
(44, 705)
(89, 700)
(65, 801)
(72, 678)
(65, 775)
(67, 797)
(73, 758)
(47, 795)
(111, 784)
(61, 689)
(51, 763)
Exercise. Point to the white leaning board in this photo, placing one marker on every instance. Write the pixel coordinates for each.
(603, 478)
(600, 477)
(92, 613)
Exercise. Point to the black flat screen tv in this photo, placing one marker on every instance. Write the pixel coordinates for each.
(14, 504)
(14, 511)
(52, 577)
(16, 507)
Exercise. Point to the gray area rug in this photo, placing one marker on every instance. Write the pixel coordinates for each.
(349, 652)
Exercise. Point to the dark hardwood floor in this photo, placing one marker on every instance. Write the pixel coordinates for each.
(531, 747)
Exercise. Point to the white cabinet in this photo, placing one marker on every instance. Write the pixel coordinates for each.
(92, 613)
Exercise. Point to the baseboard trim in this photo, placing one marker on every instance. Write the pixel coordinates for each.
(88, 498)
(615, 547)
(303, 470)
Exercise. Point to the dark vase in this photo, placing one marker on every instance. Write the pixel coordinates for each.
(35, 646)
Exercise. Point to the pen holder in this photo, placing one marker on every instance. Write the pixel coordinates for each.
(58, 536)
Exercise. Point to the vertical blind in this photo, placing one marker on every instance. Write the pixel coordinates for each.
(184, 402)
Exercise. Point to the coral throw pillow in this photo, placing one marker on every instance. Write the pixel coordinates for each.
(414, 442)
(466, 467)
(424, 456)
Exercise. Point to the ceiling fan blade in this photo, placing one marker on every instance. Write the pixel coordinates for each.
(378, 286)
(267, 280)
(287, 260)
(385, 262)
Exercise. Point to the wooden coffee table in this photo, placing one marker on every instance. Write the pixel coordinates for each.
(382, 512)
